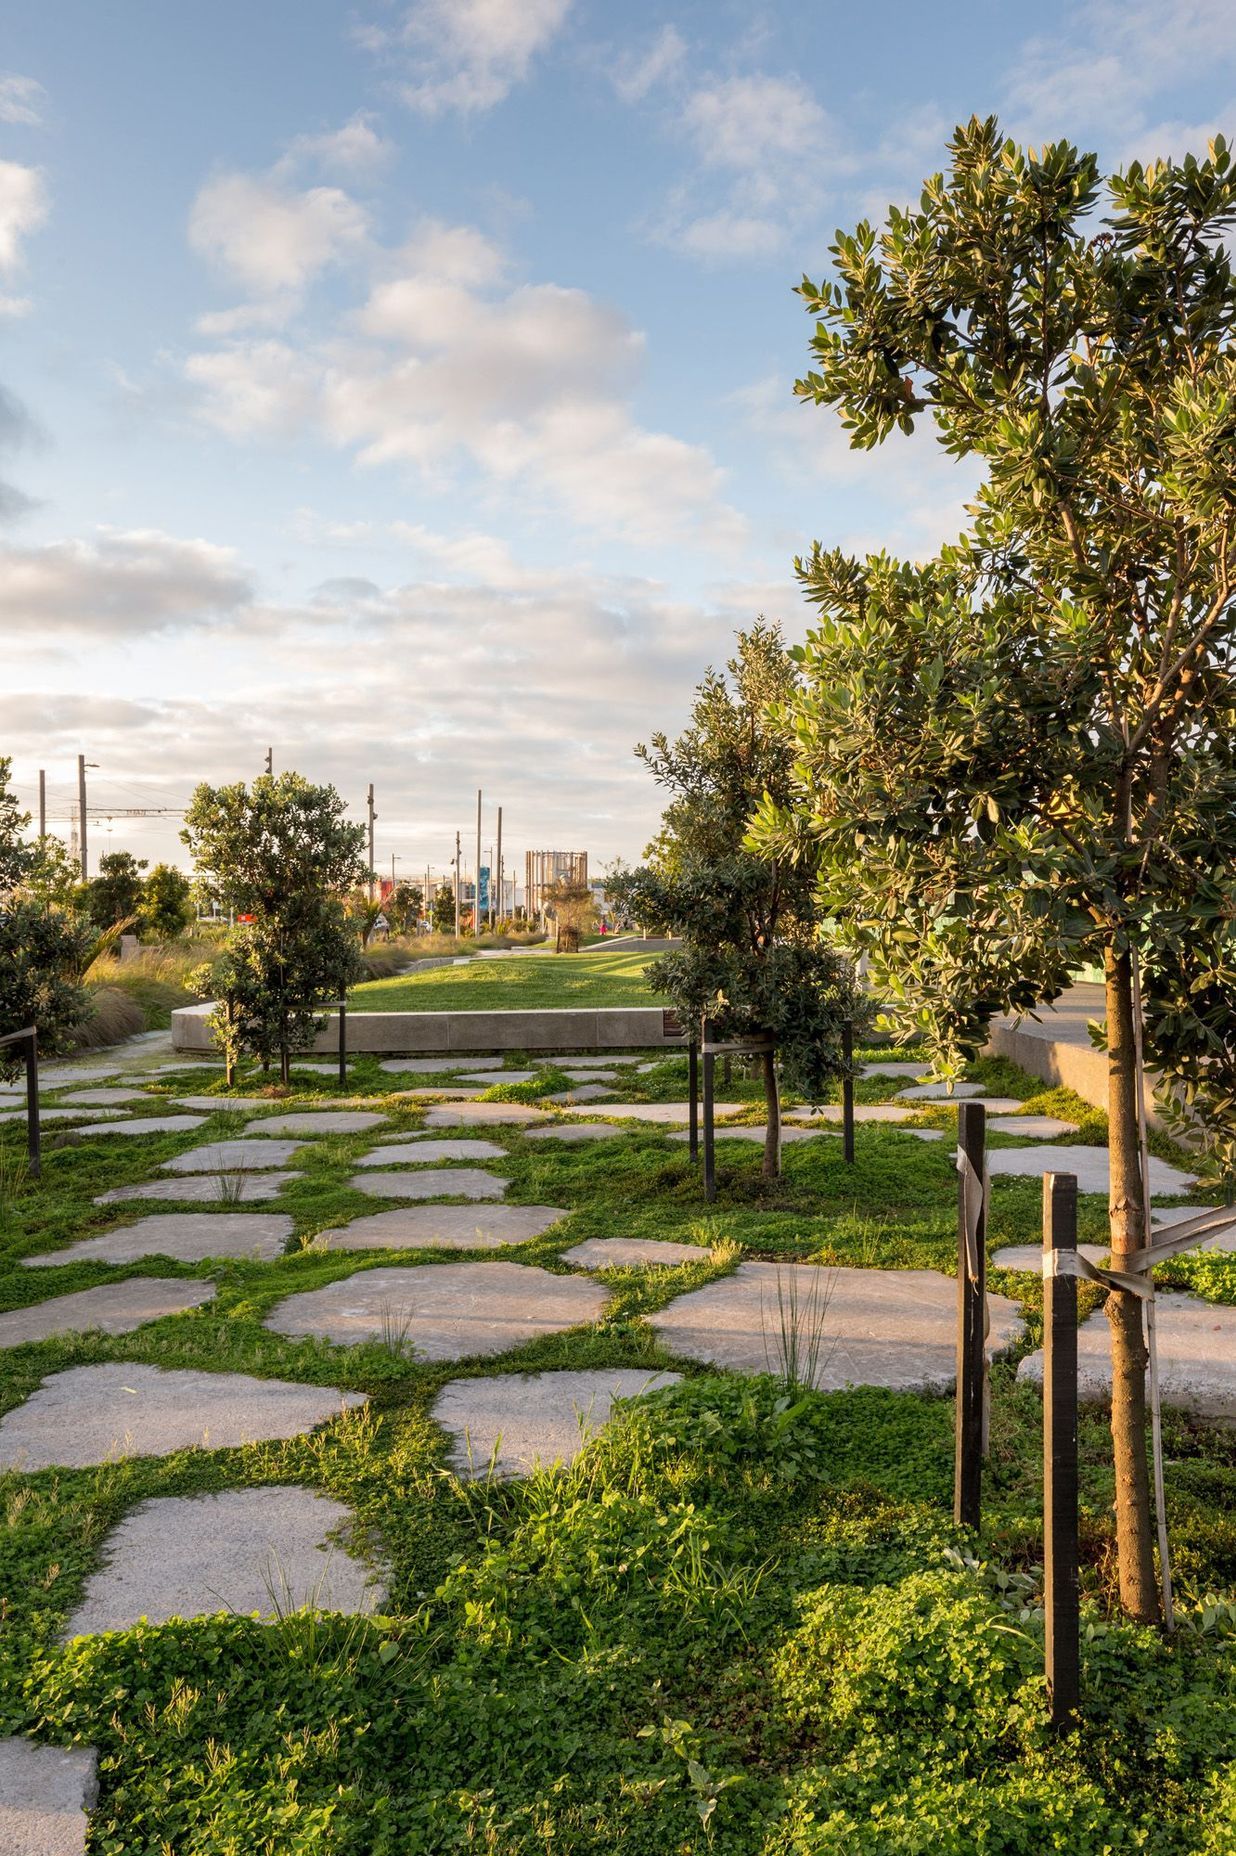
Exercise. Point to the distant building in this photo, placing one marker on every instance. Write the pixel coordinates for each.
(542, 869)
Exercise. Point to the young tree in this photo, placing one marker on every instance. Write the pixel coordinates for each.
(115, 895)
(404, 906)
(571, 909)
(42, 948)
(283, 853)
(166, 906)
(1021, 756)
(443, 910)
(752, 960)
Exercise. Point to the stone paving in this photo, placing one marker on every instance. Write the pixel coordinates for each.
(115, 1308)
(238, 1156)
(149, 1124)
(439, 1066)
(203, 1189)
(470, 1114)
(939, 1092)
(404, 1152)
(1030, 1256)
(212, 1104)
(898, 1067)
(325, 1121)
(457, 1182)
(894, 1328)
(106, 1097)
(1031, 1127)
(577, 1132)
(98, 1414)
(443, 1227)
(759, 1135)
(441, 1311)
(671, 1114)
(45, 1793)
(863, 1111)
(1090, 1164)
(582, 1092)
(516, 1421)
(68, 1114)
(596, 1074)
(189, 1237)
(266, 1550)
(1197, 1356)
(489, 1077)
(620, 1253)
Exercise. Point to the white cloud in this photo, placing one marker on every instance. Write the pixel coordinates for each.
(15, 306)
(271, 238)
(634, 74)
(356, 148)
(21, 100)
(23, 208)
(121, 584)
(467, 55)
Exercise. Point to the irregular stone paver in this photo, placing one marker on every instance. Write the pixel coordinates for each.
(404, 1152)
(924, 1134)
(211, 1104)
(439, 1066)
(620, 1253)
(148, 1124)
(458, 1092)
(583, 1092)
(939, 1092)
(239, 1156)
(467, 1114)
(326, 1121)
(180, 1068)
(188, 1556)
(62, 1075)
(443, 1227)
(1163, 1218)
(671, 1114)
(613, 1058)
(576, 1132)
(45, 1793)
(115, 1308)
(514, 1421)
(103, 1098)
(759, 1134)
(894, 1328)
(1090, 1164)
(67, 1114)
(489, 1078)
(439, 1182)
(97, 1414)
(863, 1111)
(899, 1068)
(995, 1105)
(318, 1069)
(594, 1075)
(1197, 1356)
(203, 1189)
(443, 1311)
(187, 1236)
(1031, 1127)
(1030, 1256)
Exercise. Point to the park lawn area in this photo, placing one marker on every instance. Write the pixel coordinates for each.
(528, 982)
(742, 1623)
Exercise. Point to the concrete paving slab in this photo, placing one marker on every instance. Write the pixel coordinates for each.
(458, 1092)
(267, 1550)
(187, 1236)
(45, 1795)
(439, 1066)
(403, 1152)
(238, 1156)
(577, 1132)
(924, 1134)
(490, 1078)
(1030, 1256)
(863, 1111)
(894, 1328)
(104, 1097)
(114, 1308)
(513, 1422)
(596, 1075)
(67, 1114)
(317, 1069)
(61, 1075)
(1090, 1164)
(469, 1114)
(442, 1311)
(315, 1121)
(1197, 1356)
(99, 1414)
(1031, 1127)
(898, 1067)
(758, 1135)
(147, 1124)
(611, 1060)
(435, 1182)
(939, 1092)
(668, 1114)
(582, 1092)
(211, 1105)
(1162, 1218)
(625, 1253)
(204, 1189)
(186, 1065)
(443, 1227)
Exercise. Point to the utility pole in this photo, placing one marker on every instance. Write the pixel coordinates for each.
(270, 760)
(457, 886)
(372, 816)
(476, 905)
(42, 804)
(81, 806)
(493, 871)
(501, 910)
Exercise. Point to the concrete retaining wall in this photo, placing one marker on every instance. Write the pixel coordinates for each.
(409, 1034)
(1057, 1047)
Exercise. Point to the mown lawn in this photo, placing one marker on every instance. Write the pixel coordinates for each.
(742, 1623)
(528, 982)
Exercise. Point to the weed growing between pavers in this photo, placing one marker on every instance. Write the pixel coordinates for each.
(741, 1623)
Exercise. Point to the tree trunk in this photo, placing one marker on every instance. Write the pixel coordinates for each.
(1139, 1592)
(772, 1101)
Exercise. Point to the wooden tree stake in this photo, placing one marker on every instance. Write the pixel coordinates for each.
(1060, 1450)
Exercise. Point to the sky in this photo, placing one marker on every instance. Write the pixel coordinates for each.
(408, 387)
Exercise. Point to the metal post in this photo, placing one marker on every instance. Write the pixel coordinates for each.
(501, 910)
(693, 1090)
(476, 893)
(1060, 1451)
(710, 1158)
(81, 807)
(847, 1092)
(971, 1308)
(343, 1043)
(372, 816)
(33, 1134)
(457, 879)
(42, 805)
(270, 760)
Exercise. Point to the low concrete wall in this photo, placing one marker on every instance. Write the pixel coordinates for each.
(421, 1034)
(1057, 1047)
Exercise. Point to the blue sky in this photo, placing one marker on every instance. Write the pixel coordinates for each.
(409, 385)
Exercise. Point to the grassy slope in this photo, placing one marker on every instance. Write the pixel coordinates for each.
(736, 1626)
(532, 982)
